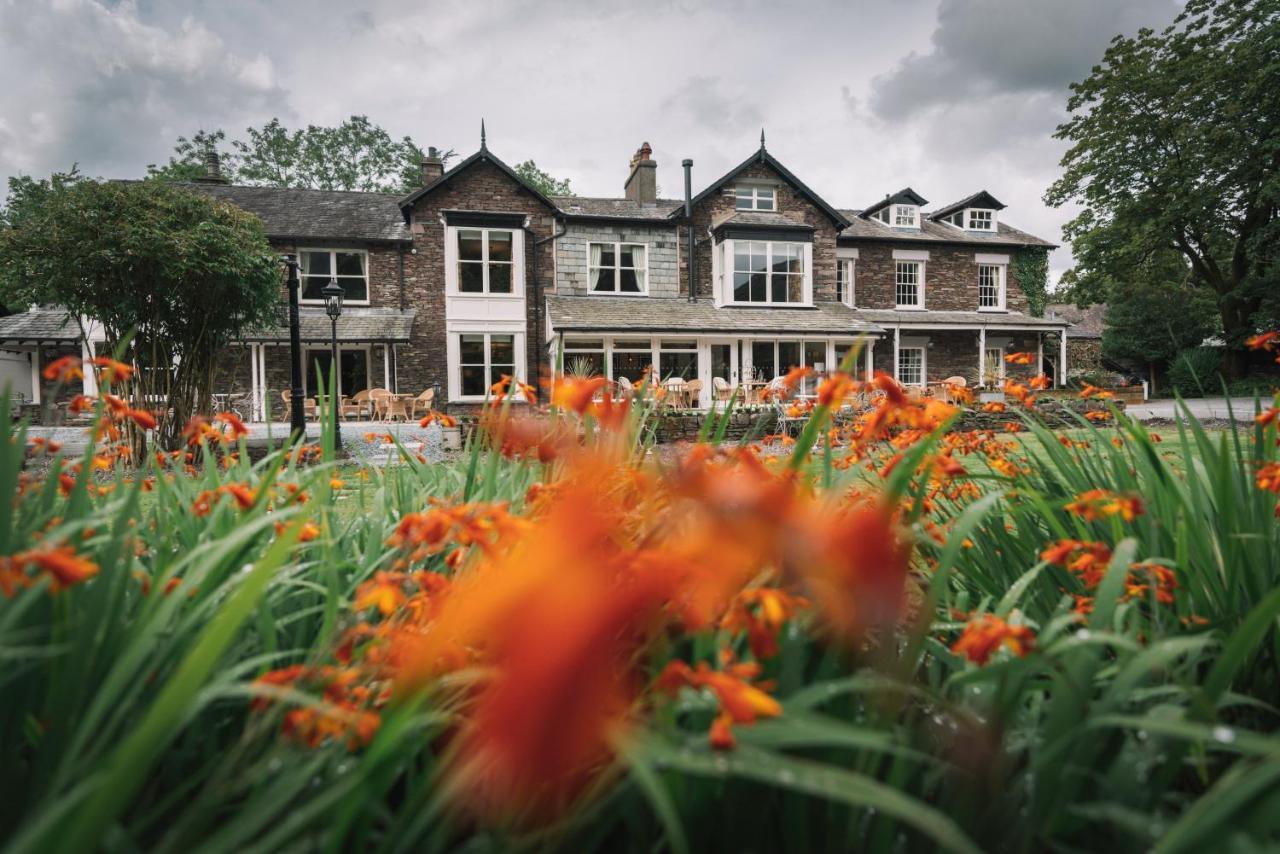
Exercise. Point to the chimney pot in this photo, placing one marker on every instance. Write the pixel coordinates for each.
(642, 183)
(212, 168)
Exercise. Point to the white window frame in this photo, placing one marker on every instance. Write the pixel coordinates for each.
(905, 216)
(971, 222)
(921, 257)
(1001, 263)
(903, 349)
(333, 269)
(847, 261)
(998, 270)
(451, 262)
(728, 247)
(454, 356)
(898, 266)
(618, 268)
(755, 194)
(998, 374)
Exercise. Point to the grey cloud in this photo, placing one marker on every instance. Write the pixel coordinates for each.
(120, 89)
(705, 101)
(990, 47)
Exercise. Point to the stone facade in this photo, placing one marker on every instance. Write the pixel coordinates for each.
(950, 277)
(1084, 355)
(662, 250)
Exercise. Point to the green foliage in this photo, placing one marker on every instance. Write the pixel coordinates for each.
(1148, 726)
(1152, 323)
(27, 195)
(1174, 147)
(181, 273)
(1031, 266)
(1197, 372)
(354, 155)
(542, 181)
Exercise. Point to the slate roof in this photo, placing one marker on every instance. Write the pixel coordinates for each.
(1009, 319)
(1085, 322)
(295, 213)
(599, 208)
(763, 156)
(648, 314)
(39, 325)
(355, 326)
(760, 218)
(939, 232)
(484, 155)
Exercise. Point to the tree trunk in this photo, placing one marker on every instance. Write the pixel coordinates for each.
(1151, 379)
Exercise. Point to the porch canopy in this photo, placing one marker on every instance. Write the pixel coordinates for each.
(721, 347)
(355, 326)
(982, 324)
(41, 329)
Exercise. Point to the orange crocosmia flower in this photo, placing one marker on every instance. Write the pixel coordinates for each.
(575, 393)
(1098, 415)
(385, 591)
(1150, 577)
(834, 389)
(243, 495)
(39, 444)
(1020, 358)
(80, 404)
(63, 369)
(740, 701)
(1040, 382)
(144, 419)
(1263, 341)
(1268, 477)
(337, 483)
(1095, 392)
(761, 612)
(309, 532)
(235, 426)
(61, 564)
(499, 389)
(611, 413)
(986, 634)
(433, 417)
(112, 370)
(993, 406)
(788, 385)
(1012, 427)
(1086, 558)
(1101, 503)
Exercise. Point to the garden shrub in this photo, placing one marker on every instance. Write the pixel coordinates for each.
(1197, 372)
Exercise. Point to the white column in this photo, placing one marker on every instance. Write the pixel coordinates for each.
(897, 346)
(90, 383)
(1039, 353)
(982, 356)
(255, 392)
(871, 349)
(265, 402)
(1062, 358)
(386, 367)
(35, 375)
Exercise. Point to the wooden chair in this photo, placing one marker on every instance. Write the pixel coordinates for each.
(309, 407)
(379, 400)
(693, 393)
(423, 402)
(356, 405)
(951, 383)
(721, 388)
(625, 388)
(674, 387)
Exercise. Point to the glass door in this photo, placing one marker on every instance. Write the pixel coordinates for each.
(725, 376)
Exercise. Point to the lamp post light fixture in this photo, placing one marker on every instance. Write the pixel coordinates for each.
(333, 295)
(297, 415)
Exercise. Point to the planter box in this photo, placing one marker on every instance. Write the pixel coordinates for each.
(451, 439)
(991, 397)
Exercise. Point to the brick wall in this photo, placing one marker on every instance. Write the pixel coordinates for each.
(572, 255)
(790, 204)
(483, 187)
(951, 277)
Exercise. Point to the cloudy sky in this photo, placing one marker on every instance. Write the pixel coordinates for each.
(857, 98)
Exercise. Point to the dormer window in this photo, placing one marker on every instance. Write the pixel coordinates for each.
(753, 197)
(979, 219)
(906, 216)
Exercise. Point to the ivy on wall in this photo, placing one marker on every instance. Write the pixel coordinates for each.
(1033, 277)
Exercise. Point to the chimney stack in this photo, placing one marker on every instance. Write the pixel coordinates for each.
(212, 168)
(432, 166)
(642, 184)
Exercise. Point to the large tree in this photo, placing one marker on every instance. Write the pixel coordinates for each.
(172, 276)
(545, 182)
(1175, 144)
(354, 155)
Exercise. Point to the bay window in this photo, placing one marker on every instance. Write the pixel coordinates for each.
(617, 268)
(348, 267)
(768, 272)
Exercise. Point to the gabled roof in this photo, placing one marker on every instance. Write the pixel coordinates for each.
(484, 155)
(1085, 322)
(763, 156)
(40, 325)
(905, 196)
(297, 213)
(980, 199)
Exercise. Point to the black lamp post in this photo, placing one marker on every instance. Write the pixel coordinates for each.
(297, 415)
(333, 294)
